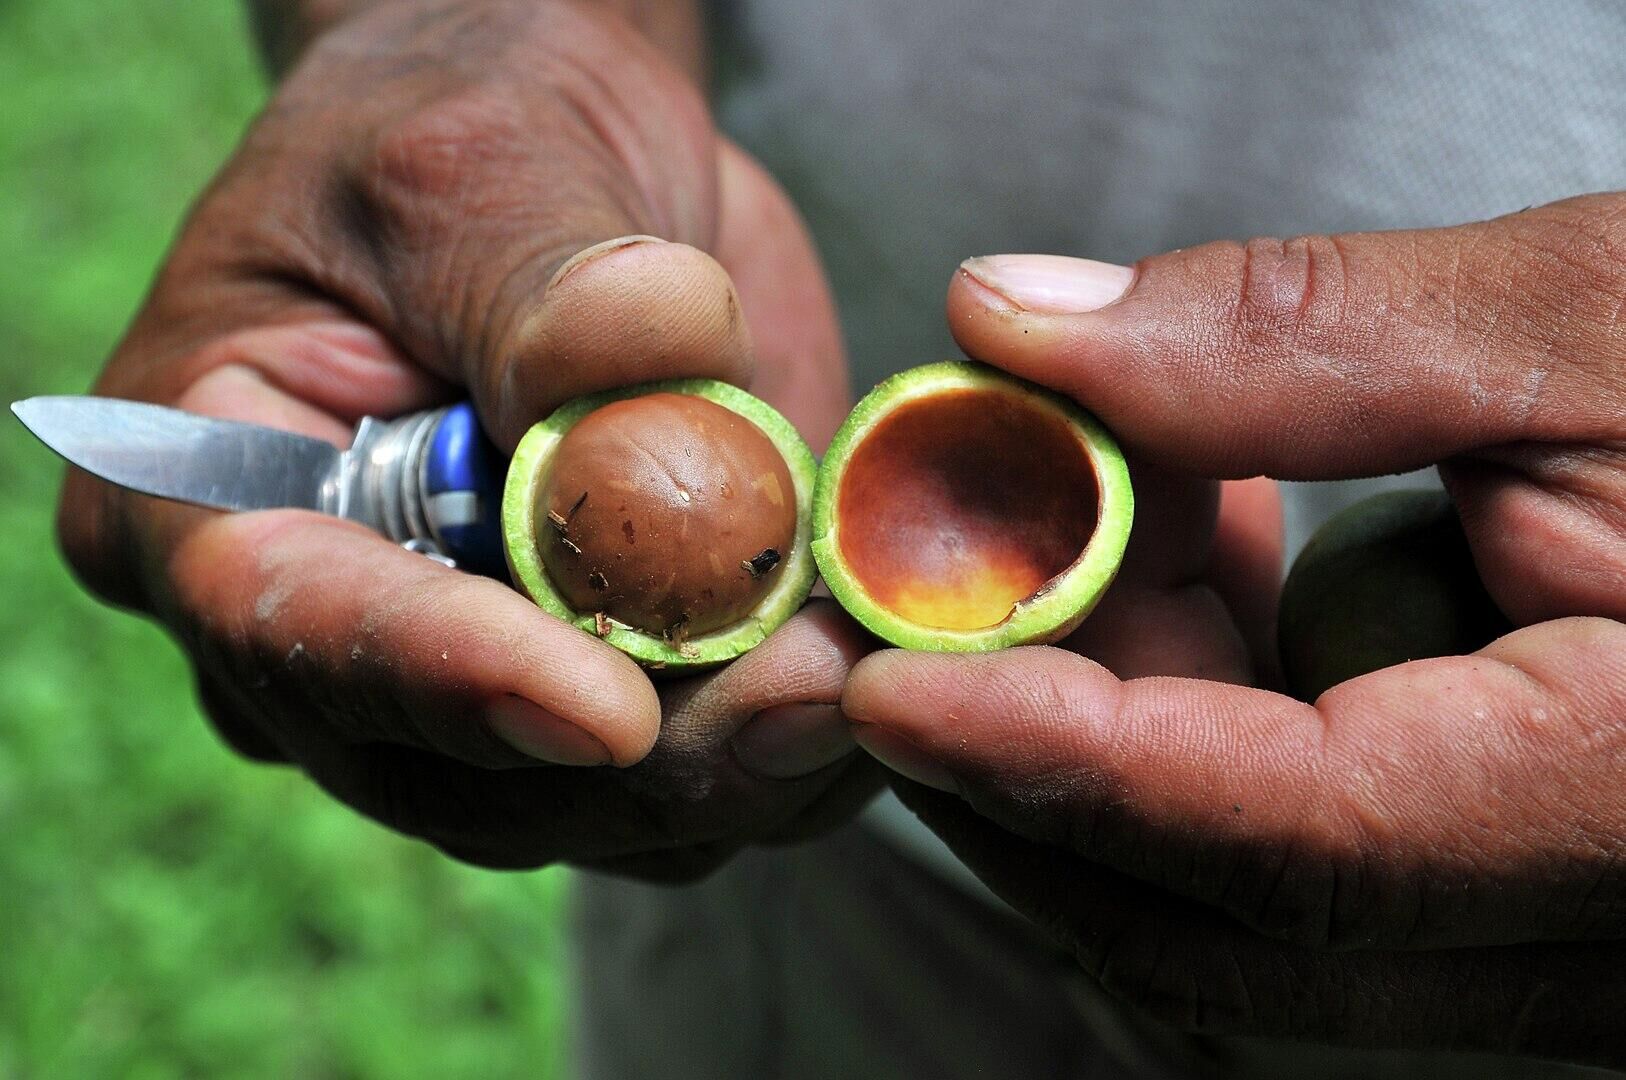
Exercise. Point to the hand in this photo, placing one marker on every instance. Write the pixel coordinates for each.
(1433, 855)
(446, 199)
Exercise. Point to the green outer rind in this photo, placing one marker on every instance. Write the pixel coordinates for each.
(796, 573)
(1046, 618)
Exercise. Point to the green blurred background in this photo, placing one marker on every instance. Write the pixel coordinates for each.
(167, 909)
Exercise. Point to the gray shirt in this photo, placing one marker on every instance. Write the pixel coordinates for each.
(914, 133)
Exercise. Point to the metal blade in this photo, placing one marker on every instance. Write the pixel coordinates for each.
(179, 455)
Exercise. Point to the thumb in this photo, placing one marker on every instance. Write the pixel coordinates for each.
(1326, 356)
(541, 232)
(622, 311)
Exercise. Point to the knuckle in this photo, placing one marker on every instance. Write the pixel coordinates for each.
(1302, 895)
(1320, 889)
(1289, 287)
(1594, 264)
(439, 156)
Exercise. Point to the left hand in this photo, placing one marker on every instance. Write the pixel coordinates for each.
(455, 198)
(1433, 855)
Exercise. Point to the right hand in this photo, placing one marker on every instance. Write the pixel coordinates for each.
(430, 208)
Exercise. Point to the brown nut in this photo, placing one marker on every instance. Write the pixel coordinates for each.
(666, 512)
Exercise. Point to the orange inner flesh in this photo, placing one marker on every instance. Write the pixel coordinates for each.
(957, 506)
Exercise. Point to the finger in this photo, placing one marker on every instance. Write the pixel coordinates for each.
(1189, 967)
(801, 366)
(1326, 357)
(335, 627)
(626, 311)
(1547, 524)
(775, 710)
(1245, 567)
(1182, 630)
(238, 719)
(689, 804)
(330, 624)
(314, 376)
(1159, 617)
(327, 374)
(861, 779)
(1175, 514)
(1445, 802)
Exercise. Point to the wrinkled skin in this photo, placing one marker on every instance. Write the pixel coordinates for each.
(430, 208)
(1432, 855)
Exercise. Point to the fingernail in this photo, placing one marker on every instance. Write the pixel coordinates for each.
(904, 757)
(787, 741)
(588, 254)
(536, 732)
(1051, 284)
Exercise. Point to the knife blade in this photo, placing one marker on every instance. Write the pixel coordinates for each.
(431, 480)
(223, 464)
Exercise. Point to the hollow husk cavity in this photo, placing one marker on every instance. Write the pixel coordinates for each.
(962, 509)
(666, 525)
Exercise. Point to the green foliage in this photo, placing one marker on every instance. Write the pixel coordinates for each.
(167, 909)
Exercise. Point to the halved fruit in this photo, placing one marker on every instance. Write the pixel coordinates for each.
(671, 519)
(963, 509)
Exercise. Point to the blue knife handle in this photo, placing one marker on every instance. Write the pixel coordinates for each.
(462, 482)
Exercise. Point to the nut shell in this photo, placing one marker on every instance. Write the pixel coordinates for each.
(666, 512)
(789, 580)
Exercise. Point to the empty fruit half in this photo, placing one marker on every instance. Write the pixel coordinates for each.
(963, 509)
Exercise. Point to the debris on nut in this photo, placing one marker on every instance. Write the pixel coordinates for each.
(759, 565)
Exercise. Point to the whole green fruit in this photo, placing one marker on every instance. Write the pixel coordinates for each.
(1385, 581)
